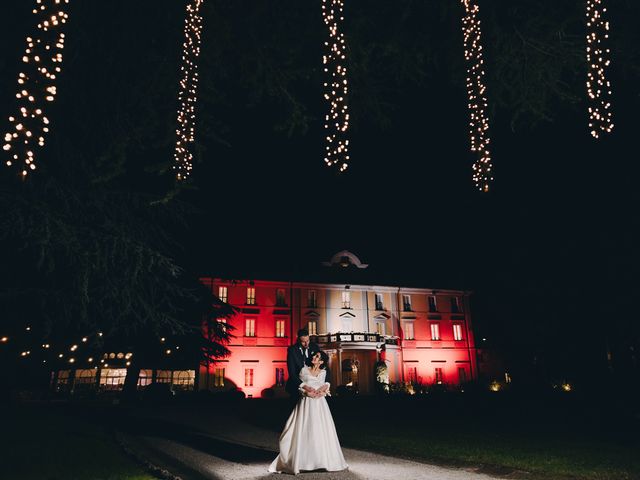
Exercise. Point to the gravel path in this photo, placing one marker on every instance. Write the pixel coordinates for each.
(196, 447)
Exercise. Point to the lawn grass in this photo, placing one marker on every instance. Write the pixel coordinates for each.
(554, 440)
(530, 456)
(47, 443)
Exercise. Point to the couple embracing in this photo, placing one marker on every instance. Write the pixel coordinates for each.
(309, 440)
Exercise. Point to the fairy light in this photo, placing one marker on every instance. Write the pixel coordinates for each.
(185, 133)
(335, 87)
(42, 63)
(598, 60)
(476, 90)
(4, 339)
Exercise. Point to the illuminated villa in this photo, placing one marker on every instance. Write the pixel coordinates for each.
(374, 334)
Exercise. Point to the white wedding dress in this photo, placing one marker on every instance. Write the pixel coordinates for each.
(309, 440)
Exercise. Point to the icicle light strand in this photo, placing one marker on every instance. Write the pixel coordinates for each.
(187, 96)
(476, 89)
(335, 87)
(598, 60)
(42, 63)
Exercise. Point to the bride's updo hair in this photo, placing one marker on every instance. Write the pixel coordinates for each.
(324, 357)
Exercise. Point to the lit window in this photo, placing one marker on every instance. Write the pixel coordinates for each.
(457, 331)
(280, 300)
(163, 376)
(439, 378)
(381, 328)
(248, 377)
(408, 331)
(251, 296)
(112, 378)
(379, 302)
(183, 379)
(406, 303)
(223, 324)
(218, 377)
(280, 328)
(435, 331)
(223, 293)
(346, 299)
(312, 299)
(312, 326)
(456, 306)
(144, 379)
(280, 377)
(250, 327)
(433, 306)
(462, 374)
(413, 374)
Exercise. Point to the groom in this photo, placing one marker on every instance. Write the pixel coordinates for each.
(298, 355)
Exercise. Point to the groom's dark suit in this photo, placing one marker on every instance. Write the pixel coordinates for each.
(296, 359)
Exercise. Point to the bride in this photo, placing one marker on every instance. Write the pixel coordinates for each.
(309, 440)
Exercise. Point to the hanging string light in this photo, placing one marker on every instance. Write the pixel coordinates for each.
(335, 87)
(185, 133)
(598, 60)
(476, 90)
(42, 63)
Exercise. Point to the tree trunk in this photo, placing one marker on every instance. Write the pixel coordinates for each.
(130, 388)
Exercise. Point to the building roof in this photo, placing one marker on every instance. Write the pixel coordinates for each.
(345, 268)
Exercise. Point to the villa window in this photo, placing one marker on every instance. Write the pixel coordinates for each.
(223, 293)
(280, 328)
(435, 331)
(439, 378)
(433, 306)
(413, 374)
(408, 331)
(251, 296)
(280, 298)
(250, 327)
(462, 374)
(381, 328)
(280, 377)
(312, 299)
(379, 302)
(223, 324)
(218, 377)
(456, 306)
(457, 331)
(406, 303)
(346, 299)
(248, 377)
(312, 326)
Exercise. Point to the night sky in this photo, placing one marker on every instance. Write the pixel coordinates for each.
(551, 253)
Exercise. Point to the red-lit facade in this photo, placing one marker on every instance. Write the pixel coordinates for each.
(422, 336)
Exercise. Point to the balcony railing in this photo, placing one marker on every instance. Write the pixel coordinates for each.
(355, 337)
